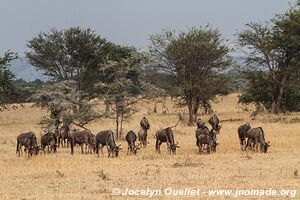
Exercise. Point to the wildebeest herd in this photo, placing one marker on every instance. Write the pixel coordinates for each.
(206, 140)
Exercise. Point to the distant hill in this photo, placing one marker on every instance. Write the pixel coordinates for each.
(24, 70)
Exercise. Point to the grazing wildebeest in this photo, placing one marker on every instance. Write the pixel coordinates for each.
(242, 133)
(142, 134)
(49, 140)
(79, 137)
(206, 140)
(200, 123)
(131, 138)
(215, 123)
(28, 140)
(92, 143)
(63, 136)
(107, 138)
(166, 135)
(258, 137)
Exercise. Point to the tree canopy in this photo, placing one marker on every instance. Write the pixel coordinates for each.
(194, 58)
(274, 48)
(7, 89)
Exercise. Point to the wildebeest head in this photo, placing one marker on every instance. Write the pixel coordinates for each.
(145, 123)
(115, 151)
(136, 148)
(265, 146)
(173, 147)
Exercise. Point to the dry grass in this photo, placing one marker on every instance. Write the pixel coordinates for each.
(62, 176)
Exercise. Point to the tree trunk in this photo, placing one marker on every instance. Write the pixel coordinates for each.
(196, 108)
(117, 126)
(190, 108)
(279, 99)
(107, 106)
(155, 107)
(121, 125)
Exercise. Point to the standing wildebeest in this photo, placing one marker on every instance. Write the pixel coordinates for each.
(258, 137)
(49, 140)
(63, 136)
(81, 138)
(142, 134)
(215, 123)
(242, 133)
(131, 138)
(206, 140)
(106, 138)
(28, 140)
(166, 135)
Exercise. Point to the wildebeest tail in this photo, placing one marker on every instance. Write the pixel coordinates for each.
(176, 123)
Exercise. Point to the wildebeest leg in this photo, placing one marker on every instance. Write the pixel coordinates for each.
(97, 148)
(81, 148)
(157, 145)
(242, 141)
(199, 149)
(208, 148)
(101, 146)
(18, 148)
(128, 149)
(72, 146)
(169, 148)
(109, 150)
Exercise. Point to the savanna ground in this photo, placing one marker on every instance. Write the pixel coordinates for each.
(63, 176)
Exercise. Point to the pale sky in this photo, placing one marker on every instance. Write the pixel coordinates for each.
(128, 22)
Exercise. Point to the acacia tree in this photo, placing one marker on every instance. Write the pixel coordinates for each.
(64, 104)
(67, 54)
(7, 89)
(194, 58)
(275, 48)
(123, 87)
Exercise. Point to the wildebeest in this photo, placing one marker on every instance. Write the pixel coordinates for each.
(80, 137)
(28, 140)
(166, 135)
(200, 123)
(63, 136)
(215, 123)
(142, 134)
(131, 138)
(49, 140)
(242, 133)
(107, 138)
(206, 140)
(258, 137)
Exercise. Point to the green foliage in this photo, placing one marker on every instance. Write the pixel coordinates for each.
(194, 59)
(258, 90)
(67, 54)
(274, 48)
(7, 89)
(122, 86)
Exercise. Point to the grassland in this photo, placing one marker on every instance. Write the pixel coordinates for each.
(63, 176)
